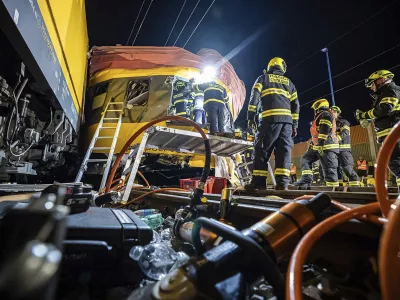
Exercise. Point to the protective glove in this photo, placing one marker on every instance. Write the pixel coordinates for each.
(358, 114)
(364, 123)
(321, 150)
(294, 132)
(252, 124)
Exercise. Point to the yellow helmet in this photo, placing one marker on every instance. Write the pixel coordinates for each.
(179, 84)
(321, 103)
(277, 62)
(336, 109)
(384, 74)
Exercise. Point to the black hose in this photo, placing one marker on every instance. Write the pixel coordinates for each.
(266, 264)
(16, 98)
(21, 88)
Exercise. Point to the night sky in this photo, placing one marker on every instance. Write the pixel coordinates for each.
(293, 30)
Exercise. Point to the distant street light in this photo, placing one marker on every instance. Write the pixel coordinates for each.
(325, 50)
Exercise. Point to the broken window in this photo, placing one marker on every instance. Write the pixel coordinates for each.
(137, 93)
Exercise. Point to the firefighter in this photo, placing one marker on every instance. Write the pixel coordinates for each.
(293, 176)
(181, 99)
(276, 96)
(215, 102)
(345, 156)
(385, 112)
(324, 146)
(199, 115)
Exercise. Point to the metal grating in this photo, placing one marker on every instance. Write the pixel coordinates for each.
(188, 141)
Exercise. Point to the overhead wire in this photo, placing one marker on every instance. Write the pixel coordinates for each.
(194, 30)
(343, 35)
(187, 21)
(348, 70)
(343, 88)
(177, 18)
(134, 24)
(141, 24)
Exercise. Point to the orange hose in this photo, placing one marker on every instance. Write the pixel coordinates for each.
(381, 169)
(294, 279)
(149, 193)
(370, 218)
(139, 132)
(144, 178)
(389, 260)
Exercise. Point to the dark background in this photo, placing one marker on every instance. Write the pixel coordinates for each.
(293, 30)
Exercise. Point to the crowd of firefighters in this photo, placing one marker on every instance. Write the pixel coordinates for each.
(274, 111)
(206, 104)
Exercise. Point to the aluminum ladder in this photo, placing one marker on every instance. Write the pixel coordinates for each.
(117, 109)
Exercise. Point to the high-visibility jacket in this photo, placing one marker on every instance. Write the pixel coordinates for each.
(213, 92)
(343, 134)
(362, 165)
(181, 98)
(293, 170)
(323, 131)
(385, 111)
(276, 97)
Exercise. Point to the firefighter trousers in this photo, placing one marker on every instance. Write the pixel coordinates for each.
(307, 160)
(346, 162)
(215, 116)
(329, 162)
(181, 109)
(270, 137)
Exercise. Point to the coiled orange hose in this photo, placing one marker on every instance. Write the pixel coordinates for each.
(381, 169)
(389, 260)
(370, 218)
(294, 281)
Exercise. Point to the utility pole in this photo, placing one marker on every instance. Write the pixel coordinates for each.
(325, 50)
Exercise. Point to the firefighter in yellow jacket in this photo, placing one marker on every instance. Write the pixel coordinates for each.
(385, 112)
(324, 147)
(276, 96)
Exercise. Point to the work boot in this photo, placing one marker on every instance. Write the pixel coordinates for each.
(257, 183)
(281, 187)
(302, 185)
(252, 187)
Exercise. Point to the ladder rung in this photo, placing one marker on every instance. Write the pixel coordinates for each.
(104, 137)
(113, 110)
(97, 160)
(109, 127)
(101, 148)
(116, 103)
(111, 119)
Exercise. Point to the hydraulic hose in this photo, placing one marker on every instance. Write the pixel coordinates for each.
(294, 278)
(148, 194)
(381, 169)
(389, 261)
(144, 178)
(368, 218)
(207, 163)
(248, 245)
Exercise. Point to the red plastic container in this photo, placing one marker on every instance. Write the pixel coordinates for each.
(214, 185)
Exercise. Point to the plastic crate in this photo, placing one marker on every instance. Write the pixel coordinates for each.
(190, 183)
(214, 185)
